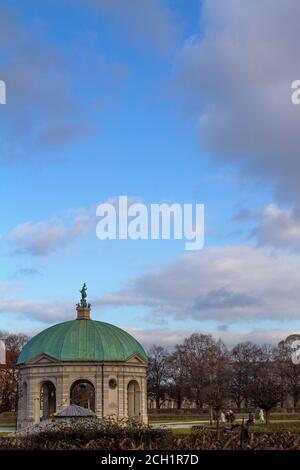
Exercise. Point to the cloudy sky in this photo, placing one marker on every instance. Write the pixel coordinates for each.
(162, 101)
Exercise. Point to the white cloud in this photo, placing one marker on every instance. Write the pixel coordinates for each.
(169, 337)
(46, 312)
(44, 237)
(122, 300)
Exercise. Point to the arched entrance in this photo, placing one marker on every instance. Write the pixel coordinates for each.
(134, 399)
(47, 400)
(83, 394)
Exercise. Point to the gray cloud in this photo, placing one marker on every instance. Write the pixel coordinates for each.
(146, 22)
(38, 93)
(47, 104)
(224, 284)
(57, 311)
(236, 78)
(224, 298)
(279, 228)
(273, 226)
(26, 272)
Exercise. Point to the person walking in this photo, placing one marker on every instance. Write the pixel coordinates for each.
(262, 416)
(251, 420)
(249, 427)
(231, 416)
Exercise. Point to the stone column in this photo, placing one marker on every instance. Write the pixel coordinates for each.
(125, 392)
(65, 389)
(144, 409)
(22, 402)
(59, 392)
(105, 391)
(121, 403)
(36, 398)
(98, 392)
(33, 400)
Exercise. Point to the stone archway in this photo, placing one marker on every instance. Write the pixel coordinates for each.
(47, 400)
(134, 399)
(82, 393)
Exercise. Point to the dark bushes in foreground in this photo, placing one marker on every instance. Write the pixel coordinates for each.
(93, 434)
(89, 433)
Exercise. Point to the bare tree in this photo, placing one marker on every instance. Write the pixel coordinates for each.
(158, 374)
(289, 372)
(9, 384)
(196, 348)
(208, 372)
(242, 358)
(177, 372)
(15, 342)
(218, 376)
(203, 371)
(266, 388)
(8, 372)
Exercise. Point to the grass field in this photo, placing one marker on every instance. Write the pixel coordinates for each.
(275, 417)
(181, 431)
(179, 419)
(278, 422)
(162, 419)
(7, 425)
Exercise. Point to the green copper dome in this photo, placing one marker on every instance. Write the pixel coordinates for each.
(83, 340)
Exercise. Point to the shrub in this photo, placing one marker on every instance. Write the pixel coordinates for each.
(91, 433)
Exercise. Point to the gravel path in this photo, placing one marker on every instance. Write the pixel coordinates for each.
(4, 429)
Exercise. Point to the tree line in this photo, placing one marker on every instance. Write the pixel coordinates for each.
(204, 371)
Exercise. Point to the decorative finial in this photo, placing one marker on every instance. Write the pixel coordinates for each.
(83, 303)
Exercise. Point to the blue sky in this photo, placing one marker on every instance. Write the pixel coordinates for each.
(156, 101)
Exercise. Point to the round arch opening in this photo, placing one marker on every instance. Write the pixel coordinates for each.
(47, 400)
(82, 393)
(134, 399)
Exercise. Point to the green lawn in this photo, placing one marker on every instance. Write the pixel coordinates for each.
(178, 419)
(277, 423)
(291, 425)
(274, 420)
(181, 431)
(3, 434)
(199, 419)
(7, 425)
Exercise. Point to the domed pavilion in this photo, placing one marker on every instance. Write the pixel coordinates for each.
(82, 362)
